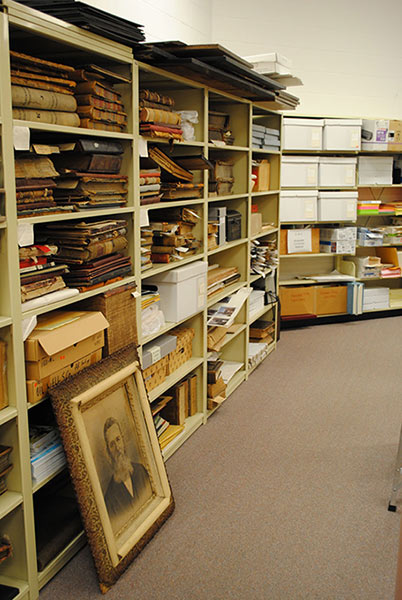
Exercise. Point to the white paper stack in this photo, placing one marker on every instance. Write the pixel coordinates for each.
(257, 351)
(47, 454)
(375, 298)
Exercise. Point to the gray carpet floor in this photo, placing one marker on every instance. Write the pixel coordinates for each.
(283, 494)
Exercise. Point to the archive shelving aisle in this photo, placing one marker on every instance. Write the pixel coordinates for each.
(28, 31)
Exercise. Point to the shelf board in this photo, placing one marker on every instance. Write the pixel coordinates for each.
(8, 413)
(305, 282)
(181, 372)
(382, 309)
(271, 348)
(5, 321)
(225, 148)
(18, 583)
(231, 336)
(234, 382)
(37, 485)
(228, 197)
(8, 501)
(78, 131)
(227, 245)
(172, 204)
(316, 255)
(65, 555)
(334, 188)
(255, 316)
(82, 214)
(323, 152)
(3, 225)
(379, 185)
(262, 151)
(190, 426)
(265, 193)
(154, 140)
(317, 222)
(230, 289)
(264, 233)
(166, 267)
(77, 298)
(167, 327)
(254, 277)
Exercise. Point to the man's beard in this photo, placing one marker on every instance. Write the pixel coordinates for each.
(122, 468)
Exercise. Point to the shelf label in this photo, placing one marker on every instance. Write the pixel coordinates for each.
(21, 137)
(144, 219)
(143, 147)
(299, 240)
(25, 234)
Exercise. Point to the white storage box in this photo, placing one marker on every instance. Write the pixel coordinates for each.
(272, 62)
(337, 206)
(375, 170)
(298, 206)
(338, 234)
(182, 290)
(342, 134)
(299, 171)
(336, 171)
(302, 134)
(338, 246)
(256, 302)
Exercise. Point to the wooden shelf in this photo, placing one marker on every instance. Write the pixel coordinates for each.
(170, 381)
(168, 326)
(154, 140)
(8, 502)
(227, 246)
(261, 151)
(77, 131)
(5, 321)
(18, 583)
(231, 336)
(226, 148)
(174, 203)
(62, 559)
(190, 426)
(166, 267)
(264, 233)
(234, 382)
(259, 313)
(254, 277)
(312, 254)
(265, 193)
(230, 289)
(3, 225)
(82, 214)
(228, 197)
(37, 485)
(8, 413)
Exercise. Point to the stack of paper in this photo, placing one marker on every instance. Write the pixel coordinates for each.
(47, 455)
(375, 298)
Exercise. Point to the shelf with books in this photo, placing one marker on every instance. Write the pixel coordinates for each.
(264, 193)
(190, 143)
(190, 426)
(312, 255)
(227, 246)
(77, 131)
(161, 269)
(227, 197)
(229, 337)
(227, 291)
(81, 214)
(180, 373)
(37, 485)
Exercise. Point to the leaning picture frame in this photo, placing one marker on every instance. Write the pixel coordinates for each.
(115, 461)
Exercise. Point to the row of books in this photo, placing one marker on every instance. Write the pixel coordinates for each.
(220, 277)
(84, 96)
(46, 450)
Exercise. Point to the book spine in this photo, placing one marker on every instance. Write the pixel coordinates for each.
(96, 250)
(93, 87)
(32, 98)
(159, 116)
(160, 258)
(89, 124)
(88, 100)
(47, 116)
(147, 104)
(155, 97)
(40, 288)
(91, 112)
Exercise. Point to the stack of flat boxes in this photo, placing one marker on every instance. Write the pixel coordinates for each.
(265, 138)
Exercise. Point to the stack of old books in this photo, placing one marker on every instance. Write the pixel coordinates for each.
(177, 180)
(263, 257)
(150, 185)
(216, 386)
(99, 103)
(5, 466)
(35, 181)
(39, 273)
(221, 182)
(146, 244)
(90, 174)
(157, 117)
(220, 277)
(262, 332)
(92, 250)
(173, 235)
(42, 91)
(219, 128)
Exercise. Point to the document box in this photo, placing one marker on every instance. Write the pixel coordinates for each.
(298, 206)
(342, 134)
(302, 134)
(299, 171)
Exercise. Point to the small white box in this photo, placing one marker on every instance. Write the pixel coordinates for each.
(337, 206)
(342, 134)
(299, 171)
(182, 290)
(298, 206)
(338, 234)
(334, 171)
(302, 134)
(375, 170)
(338, 246)
(375, 134)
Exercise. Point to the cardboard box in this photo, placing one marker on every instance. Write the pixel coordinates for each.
(382, 135)
(337, 171)
(261, 169)
(302, 134)
(342, 134)
(157, 349)
(331, 299)
(297, 300)
(255, 223)
(335, 234)
(182, 290)
(313, 242)
(299, 171)
(337, 206)
(298, 205)
(37, 390)
(338, 246)
(60, 339)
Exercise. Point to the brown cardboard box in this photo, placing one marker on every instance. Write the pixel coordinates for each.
(297, 300)
(61, 338)
(331, 299)
(262, 171)
(395, 134)
(255, 223)
(315, 241)
(36, 390)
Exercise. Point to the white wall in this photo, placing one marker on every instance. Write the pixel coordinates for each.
(347, 52)
(185, 20)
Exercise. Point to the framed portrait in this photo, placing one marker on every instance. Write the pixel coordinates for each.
(114, 458)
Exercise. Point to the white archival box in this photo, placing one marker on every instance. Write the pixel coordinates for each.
(299, 171)
(342, 134)
(302, 134)
(375, 170)
(335, 171)
(337, 206)
(183, 291)
(298, 205)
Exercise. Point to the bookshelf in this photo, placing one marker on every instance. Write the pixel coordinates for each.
(26, 30)
(299, 269)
